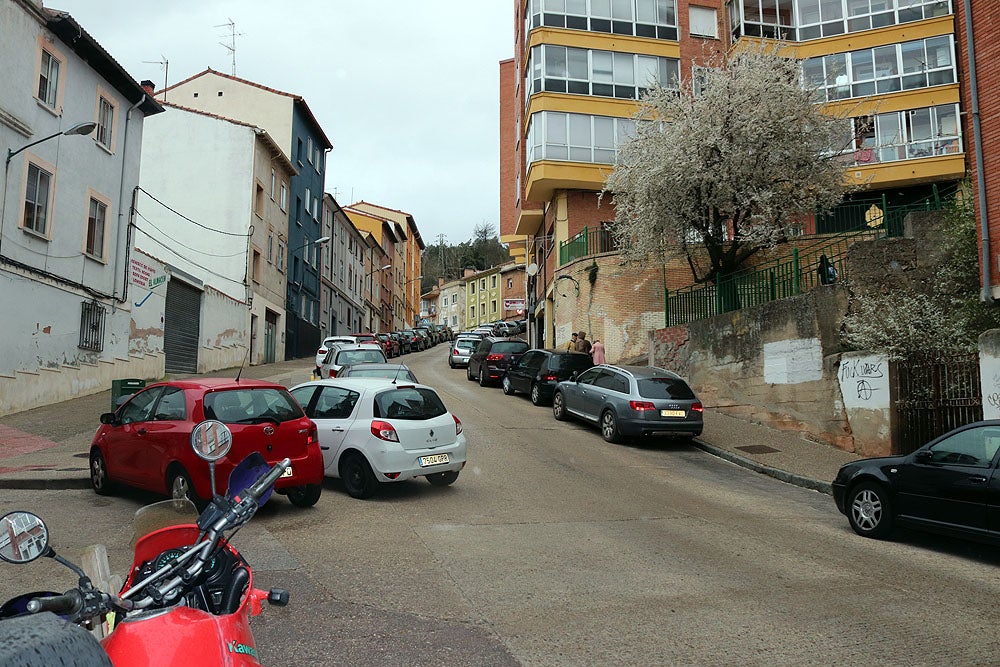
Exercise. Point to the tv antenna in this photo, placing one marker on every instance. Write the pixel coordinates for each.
(231, 46)
(165, 64)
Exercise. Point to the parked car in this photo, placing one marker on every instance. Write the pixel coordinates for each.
(424, 338)
(432, 337)
(630, 401)
(461, 348)
(374, 431)
(504, 328)
(348, 355)
(389, 345)
(490, 359)
(146, 443)
(365, 337)
(397, 372)
(397, 338)
(413, 340)
(538, 372)
(944, 486)
(325, 347)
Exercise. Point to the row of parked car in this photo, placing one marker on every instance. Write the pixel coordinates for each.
(393, 343)
(624, 401)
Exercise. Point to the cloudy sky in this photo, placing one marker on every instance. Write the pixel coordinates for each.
(406, 90)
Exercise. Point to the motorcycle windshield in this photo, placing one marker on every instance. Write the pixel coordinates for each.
(249, 470)
(162, 515)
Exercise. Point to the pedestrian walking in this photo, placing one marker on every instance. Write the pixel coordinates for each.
(571, 343)
(597, 352)
(582, 344)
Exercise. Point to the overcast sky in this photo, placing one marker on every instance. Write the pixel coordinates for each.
(406, 90)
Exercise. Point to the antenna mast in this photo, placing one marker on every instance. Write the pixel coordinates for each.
(231, 46)
(165, 64)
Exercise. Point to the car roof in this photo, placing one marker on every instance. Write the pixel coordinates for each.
(643, 372)
(362, 384)
(375, 366)
(215, 384)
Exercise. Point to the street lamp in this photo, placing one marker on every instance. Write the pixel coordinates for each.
(381, 268)
(79, 128)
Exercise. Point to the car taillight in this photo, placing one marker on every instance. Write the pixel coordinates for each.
(697, 407)
(550, 378)
(494, 357)
(458, 425)
(322, 350)
(384, 431)
(313, 437)
(640, 406)
(455, 351)
(332, 373)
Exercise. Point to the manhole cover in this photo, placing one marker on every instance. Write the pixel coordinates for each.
(758, 449)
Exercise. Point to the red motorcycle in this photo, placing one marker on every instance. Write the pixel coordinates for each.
(189, 594)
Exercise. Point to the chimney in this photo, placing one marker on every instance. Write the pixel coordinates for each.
(148, 86)
(441, 281)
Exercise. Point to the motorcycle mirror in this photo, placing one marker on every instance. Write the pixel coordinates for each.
(23, 537)
(211, 440)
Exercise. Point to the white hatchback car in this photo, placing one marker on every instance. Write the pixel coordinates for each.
(327, 342)
(346, 354)
(374, 430)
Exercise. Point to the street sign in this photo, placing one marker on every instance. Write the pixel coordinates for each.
(513, 304)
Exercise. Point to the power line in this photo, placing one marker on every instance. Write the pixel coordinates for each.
(193, 222)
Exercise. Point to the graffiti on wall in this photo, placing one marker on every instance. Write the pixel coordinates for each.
(864, 380)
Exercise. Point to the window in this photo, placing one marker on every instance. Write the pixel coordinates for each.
(92, 326)
(272, 185)
(493, 282)
(643, 18)
(703, 21)
(472, 312)
(284, 197)
(281, 256)
(36, 199)
(48, 79)
(454, 298)
(270, 247)
(255, 267)
(96, 224)
(973, 447)
(482, 284)
(105, 122)
(258, 200)
(298, 152)
(510, 283)
(578, 137)
(563, 69)
(493, 306)
(309, 150)
(472, 287)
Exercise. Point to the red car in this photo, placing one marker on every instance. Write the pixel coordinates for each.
(146, 442)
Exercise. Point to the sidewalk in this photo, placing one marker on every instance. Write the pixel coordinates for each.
(48, 447)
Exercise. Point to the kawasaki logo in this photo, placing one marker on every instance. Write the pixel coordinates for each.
(236, 647)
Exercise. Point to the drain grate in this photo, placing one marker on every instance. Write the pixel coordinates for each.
(758, 449)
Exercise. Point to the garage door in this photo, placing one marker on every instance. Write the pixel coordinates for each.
(181, 322)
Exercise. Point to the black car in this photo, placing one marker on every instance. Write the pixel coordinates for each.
(492, 357)
(538, 372)
(949, 485)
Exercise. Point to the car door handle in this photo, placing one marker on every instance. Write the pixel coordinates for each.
(977, 479)
(141, 431)
(337, 430)
(324, 447)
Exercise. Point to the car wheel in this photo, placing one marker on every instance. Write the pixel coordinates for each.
(99, 474)
(468, 373)
(359, 480)
(508, 388)
(869, 510)
(180, 486)
(483, 382)
(443, 478)
(305, 496)
(559, 406)
(609, 427)
(536, 394)
(451, 363)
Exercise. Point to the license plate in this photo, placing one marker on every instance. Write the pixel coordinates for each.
(288, 472)
(672, 413)
(433, 460)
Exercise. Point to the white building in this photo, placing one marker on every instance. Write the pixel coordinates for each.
(212, 209)
(342, 271)
(64, 251)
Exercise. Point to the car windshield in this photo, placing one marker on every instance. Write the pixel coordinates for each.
(665, 387)
(409, 403)
(466, 344)
(509, 347)
(348, 357)
(570, 361)
(252, 406)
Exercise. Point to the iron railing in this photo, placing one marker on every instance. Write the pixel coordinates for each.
(590, 241)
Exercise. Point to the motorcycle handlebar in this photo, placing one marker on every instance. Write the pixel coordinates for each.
(69, 603)
(256, 490)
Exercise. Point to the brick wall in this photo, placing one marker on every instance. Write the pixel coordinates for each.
(508, 157)
(985, 27)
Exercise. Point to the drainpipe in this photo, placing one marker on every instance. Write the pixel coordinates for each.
(121, 200)
(985, 294)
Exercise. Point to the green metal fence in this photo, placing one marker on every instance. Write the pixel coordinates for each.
(798, 272)
(590, 241)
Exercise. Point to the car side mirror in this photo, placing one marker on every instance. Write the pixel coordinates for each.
(924, 456)
(109, 418)
(573, 377)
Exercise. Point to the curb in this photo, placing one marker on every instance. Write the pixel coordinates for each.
(783, 475)
(45, 484)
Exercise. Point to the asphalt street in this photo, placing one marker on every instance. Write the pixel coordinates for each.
(556, 548)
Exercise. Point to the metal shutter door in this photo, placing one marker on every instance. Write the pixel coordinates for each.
(181, 327)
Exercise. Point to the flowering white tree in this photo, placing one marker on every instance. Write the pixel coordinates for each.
(722, 172)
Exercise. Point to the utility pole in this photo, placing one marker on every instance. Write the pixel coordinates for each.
(441, 239)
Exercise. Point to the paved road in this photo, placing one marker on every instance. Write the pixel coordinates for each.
(555, 548)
